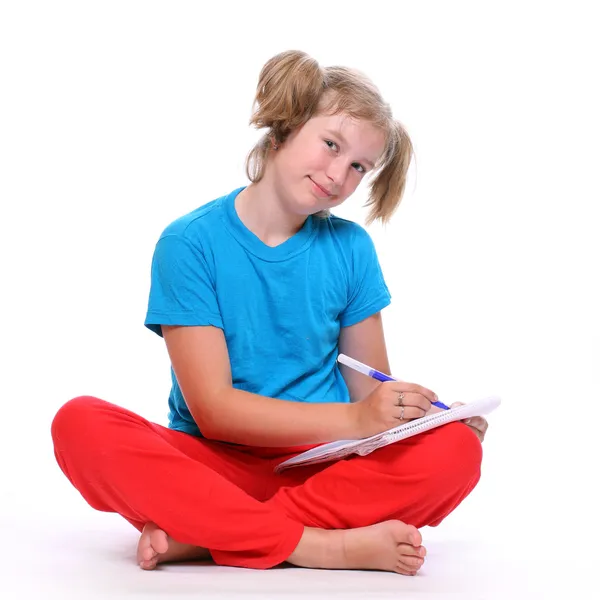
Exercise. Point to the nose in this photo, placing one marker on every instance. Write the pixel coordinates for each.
(336, 172)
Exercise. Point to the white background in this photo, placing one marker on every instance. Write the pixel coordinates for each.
(118, 117)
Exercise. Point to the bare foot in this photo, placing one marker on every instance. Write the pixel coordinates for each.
(155, 546)
(388, 546)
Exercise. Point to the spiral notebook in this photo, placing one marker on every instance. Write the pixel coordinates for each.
(343, 448)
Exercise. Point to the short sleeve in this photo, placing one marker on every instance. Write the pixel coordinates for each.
(368, 293)
(182, 291)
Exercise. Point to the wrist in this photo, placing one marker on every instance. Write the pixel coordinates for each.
(351, 422)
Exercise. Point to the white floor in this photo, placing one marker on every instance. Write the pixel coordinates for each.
(80, 553)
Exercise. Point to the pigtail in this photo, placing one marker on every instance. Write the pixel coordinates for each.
(289, 88)
(387, 188)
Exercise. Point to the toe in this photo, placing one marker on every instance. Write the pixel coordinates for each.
(415, 537)
(400, 568)
(159, 541)
(410, 550)
(148, 565)
(144, 547)
(148, 553)
(411, 563)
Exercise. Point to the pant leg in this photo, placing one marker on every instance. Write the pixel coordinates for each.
(122, 463)
(419, 480)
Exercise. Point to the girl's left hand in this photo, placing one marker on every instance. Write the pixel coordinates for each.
(477, 424)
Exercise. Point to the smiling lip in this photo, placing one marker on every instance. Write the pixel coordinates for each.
(326, 192)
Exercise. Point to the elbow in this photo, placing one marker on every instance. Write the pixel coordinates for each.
(209, 414)
(211, 431)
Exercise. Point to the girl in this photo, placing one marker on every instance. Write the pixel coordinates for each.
(255, 294)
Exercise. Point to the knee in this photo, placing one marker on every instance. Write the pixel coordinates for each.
(73, 420)
(457, 454)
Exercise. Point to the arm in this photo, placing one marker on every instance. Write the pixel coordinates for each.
(201, 363)
(364, 342)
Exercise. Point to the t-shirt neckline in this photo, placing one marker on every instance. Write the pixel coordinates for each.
(292, 246)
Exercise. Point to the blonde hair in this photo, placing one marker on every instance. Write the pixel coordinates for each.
(292, 88)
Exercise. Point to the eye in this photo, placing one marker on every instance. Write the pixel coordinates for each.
(357, 166)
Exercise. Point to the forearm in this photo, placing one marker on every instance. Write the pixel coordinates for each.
(250, 419)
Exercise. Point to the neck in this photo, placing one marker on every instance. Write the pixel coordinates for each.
(262, 211)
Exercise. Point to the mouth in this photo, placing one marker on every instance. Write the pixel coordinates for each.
(321, 190)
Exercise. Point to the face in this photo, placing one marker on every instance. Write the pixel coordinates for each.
(321, 164)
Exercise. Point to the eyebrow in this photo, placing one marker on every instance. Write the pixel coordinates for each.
(338, 134)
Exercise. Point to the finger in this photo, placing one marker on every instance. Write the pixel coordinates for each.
(413, 388)
(480, 434)
(424, 407)
(416, 400)
(409, 413)
(410, 399)
(478, 423)
(457, 404)
(483, 428)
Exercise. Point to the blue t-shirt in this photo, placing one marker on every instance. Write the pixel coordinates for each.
(280, 308)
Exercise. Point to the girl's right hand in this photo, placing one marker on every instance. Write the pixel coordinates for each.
(383, 409)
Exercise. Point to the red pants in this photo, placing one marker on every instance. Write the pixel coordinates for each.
(226, 497)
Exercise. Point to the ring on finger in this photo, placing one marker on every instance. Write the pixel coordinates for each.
(402, 413)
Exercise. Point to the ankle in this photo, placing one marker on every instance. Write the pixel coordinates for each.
(318, 548)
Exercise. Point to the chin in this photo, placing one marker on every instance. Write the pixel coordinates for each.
(304, 204)
(311, 208)
(315, 204)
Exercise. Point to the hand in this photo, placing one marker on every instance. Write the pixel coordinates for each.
(384, 407)
(477, 424)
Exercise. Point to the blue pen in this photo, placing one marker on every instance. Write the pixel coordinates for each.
(375, 374)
